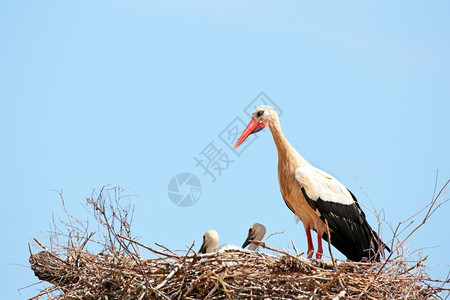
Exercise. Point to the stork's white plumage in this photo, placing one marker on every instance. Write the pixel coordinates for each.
(317, 197)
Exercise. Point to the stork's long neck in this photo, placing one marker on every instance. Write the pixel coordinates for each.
(285, 150)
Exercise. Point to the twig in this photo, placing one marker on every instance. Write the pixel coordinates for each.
(177, 268)
(274, 233)
(329, 246)
(295, 248)
(429, 213)
(165, 248)
(334, 277)
(148, 248)
(39, 243)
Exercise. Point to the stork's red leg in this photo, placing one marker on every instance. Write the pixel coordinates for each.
(310, 243)
(319, 246)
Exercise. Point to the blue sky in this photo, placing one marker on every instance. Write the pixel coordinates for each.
(127, 93)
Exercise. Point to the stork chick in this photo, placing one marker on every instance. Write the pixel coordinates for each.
(210, 241)
(256, 232)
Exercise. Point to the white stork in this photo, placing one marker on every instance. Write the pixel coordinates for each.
(256, 232)
(316, 197)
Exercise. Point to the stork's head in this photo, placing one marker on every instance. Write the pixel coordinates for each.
(210, 241)
(255, 233)
(262, 116)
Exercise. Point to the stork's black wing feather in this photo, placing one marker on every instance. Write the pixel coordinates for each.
(349, 231)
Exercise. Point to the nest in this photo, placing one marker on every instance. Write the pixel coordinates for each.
(119, 271)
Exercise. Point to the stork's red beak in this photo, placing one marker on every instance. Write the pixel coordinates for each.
(252, 127)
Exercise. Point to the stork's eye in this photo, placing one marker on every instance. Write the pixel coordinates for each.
(260, 113)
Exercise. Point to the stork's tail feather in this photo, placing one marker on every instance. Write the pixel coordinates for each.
(372, 250)
(377, 247)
